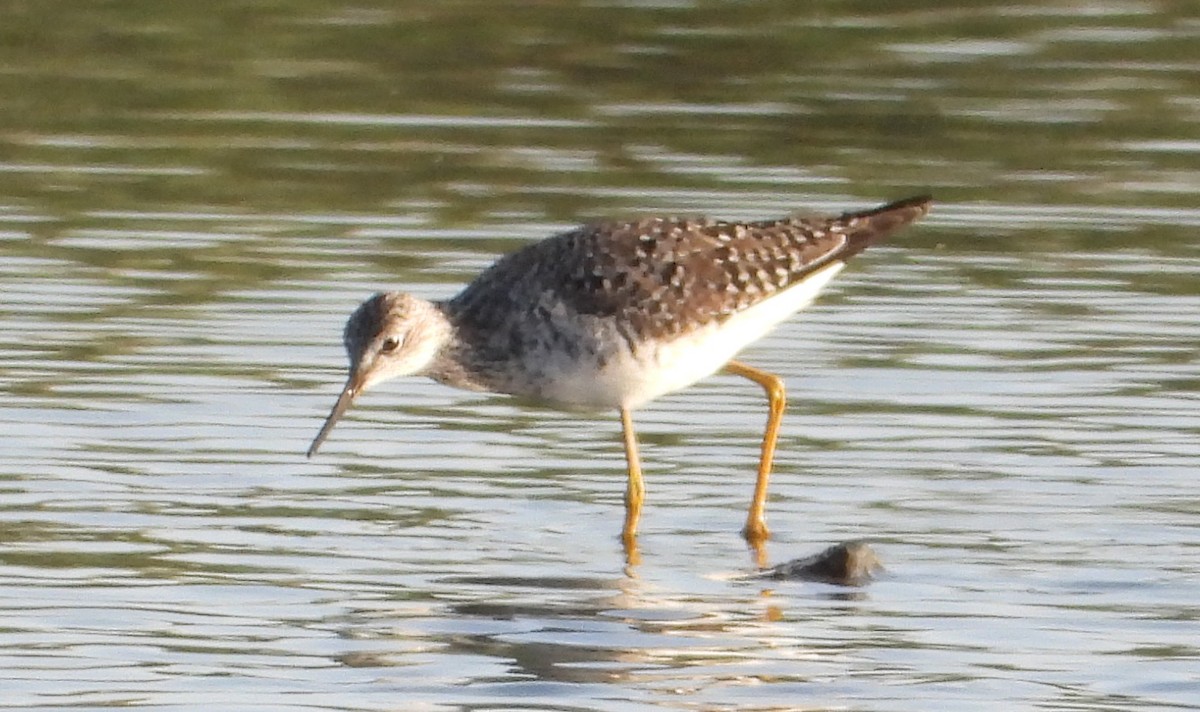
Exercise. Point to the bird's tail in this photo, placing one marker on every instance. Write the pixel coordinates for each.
(870, 226)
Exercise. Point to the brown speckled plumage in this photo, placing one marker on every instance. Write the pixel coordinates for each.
(648, 281)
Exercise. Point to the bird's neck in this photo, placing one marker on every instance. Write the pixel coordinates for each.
(451, 364)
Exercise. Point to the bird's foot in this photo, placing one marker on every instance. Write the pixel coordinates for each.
(756, 534)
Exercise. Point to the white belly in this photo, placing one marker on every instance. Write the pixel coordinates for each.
(651, 370)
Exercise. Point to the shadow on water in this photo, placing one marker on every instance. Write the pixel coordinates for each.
(572, 629)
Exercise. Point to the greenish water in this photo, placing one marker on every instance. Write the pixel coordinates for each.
(1003, 399)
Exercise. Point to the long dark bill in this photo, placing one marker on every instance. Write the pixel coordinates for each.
(343, 402)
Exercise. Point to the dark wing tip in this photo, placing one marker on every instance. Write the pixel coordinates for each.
(867, 227)
(905, 211)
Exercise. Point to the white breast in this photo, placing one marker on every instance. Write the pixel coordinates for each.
(653, 369)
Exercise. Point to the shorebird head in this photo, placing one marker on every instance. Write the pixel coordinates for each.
(391, 334)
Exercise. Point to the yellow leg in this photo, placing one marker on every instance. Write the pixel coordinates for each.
(635, 490)
(755, 530)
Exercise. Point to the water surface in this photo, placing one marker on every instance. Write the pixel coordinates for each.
(1002, 399)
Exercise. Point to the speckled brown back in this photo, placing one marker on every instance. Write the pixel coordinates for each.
(660, 277)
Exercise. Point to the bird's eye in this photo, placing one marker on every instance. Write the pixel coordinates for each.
(389, 345)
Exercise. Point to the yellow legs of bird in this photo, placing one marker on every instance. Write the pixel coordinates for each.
(635, 490)
(755, 531)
